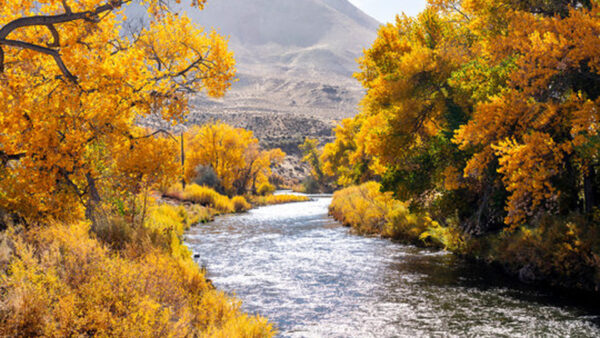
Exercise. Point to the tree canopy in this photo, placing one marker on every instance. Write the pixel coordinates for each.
(75, 80)
(482, 110)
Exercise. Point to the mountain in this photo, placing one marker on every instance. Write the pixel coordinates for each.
(293, 56)
(292, 35)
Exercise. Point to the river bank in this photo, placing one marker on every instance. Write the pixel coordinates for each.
(554, 254)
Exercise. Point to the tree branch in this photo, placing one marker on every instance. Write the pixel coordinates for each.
(159, 131)
(5, 158)
(45, 20)
(55, 36)
(66, 7)
(44, 50)
(49, 21)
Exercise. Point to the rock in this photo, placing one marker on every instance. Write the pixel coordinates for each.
(527, 274)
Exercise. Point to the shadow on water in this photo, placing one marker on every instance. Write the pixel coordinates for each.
(450, 271)
(311, 277)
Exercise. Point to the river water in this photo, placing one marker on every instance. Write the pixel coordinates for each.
(313, 278)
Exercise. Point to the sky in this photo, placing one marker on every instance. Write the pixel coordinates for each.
(386, 10)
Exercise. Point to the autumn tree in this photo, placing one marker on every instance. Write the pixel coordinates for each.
(541, 128)
(411, 110)
(482, 111)
(346, 158)
(233, 153)
(73, 85)
(144, 162)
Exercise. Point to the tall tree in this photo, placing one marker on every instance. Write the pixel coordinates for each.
(73, 85)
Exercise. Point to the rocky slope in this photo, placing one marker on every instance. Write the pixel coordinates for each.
(293, 56)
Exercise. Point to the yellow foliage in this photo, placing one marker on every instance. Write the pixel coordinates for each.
(240, 204)
(364, 207)
(234, 155)
(207, 197)
(369, 211)
(278, 199)
(347, 158)
(534, 126)
(265, 188)
(61, 282)
(527, 170)
(73, 85)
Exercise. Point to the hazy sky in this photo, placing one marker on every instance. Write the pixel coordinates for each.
(386, 10)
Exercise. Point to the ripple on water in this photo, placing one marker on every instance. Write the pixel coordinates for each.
(311, 277)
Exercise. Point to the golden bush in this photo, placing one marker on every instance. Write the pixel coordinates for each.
(240, 204)
(203, 196)
(369, 211)
(62, 282)
(278, 199)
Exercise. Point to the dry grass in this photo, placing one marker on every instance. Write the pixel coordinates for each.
(203, 196)
(369, 211)
(240, 204)
(60, 281)
(278, 199)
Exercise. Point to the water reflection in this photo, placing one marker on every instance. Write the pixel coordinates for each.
(312, 277)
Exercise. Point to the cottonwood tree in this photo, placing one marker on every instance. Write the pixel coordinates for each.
(233, 153)
(73, 85)
(483, 112)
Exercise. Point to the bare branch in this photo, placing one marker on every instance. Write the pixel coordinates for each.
(55, 36)
(49, 21)
(67, 8)
(159, 131)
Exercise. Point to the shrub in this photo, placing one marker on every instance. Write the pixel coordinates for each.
(564, 250)
(206, 176)
(202, 195)
(240, 204)
(223, 204)
(278, 199)
(310, 185)
(363, 207)
(369, 211)
(62, 282)
(265, 188)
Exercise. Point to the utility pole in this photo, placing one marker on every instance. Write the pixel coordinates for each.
(182, 161)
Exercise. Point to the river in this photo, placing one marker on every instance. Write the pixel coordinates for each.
(313, 278)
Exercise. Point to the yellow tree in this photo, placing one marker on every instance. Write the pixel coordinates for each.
(233, 153)
(72, 86)
(146, 161)
(221, 147)
(346, 158)
(405, 73)
(542, 127)
(257, 169)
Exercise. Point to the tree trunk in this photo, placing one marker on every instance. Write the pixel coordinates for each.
(589, 191)
(182, 162)
(93, 200)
